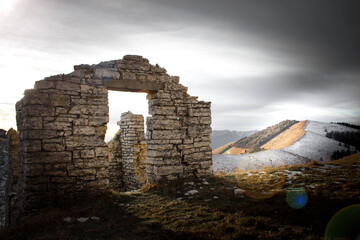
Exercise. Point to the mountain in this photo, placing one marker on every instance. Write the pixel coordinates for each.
(222, 137)
(256, 140)
(289, 143)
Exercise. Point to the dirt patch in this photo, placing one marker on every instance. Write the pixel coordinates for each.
(287, 138)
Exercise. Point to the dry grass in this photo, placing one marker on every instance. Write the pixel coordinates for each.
(219, 149)
(215, 212)
(286, 138)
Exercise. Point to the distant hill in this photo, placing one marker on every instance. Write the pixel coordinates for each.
(255, 141)
(222, 137)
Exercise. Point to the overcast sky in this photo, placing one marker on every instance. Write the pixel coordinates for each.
(258, 61)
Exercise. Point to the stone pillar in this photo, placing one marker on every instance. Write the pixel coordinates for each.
(133, 150)
(4, 159)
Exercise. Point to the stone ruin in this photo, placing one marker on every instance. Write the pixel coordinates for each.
(62, 125)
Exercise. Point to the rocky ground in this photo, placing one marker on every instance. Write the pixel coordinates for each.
(246, 205)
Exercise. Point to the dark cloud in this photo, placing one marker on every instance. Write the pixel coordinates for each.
(283, 51)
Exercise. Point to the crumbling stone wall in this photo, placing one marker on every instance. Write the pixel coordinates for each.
(13, 172)
(115, 163)
(62, 124)
(4, 159)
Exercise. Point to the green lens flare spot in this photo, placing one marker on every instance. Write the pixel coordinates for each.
(297, 198)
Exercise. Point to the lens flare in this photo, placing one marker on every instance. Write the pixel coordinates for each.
(297, 198)
(345, 224)
(261, 185)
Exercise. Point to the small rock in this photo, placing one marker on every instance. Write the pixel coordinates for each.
(67, 219)
(238, 191)
(191, 192)
(95, 218)
(215, 197)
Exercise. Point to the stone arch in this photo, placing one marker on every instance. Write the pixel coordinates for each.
(62, 126)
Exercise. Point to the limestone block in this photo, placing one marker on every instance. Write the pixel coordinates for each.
(91, 110)
(33, 123)
(36, 97)
(155, 154)
(168, 170)
(87, 153)
(82, 172)
(202, 144)
(38, 111)
(128, 75)
(105, 73)
(53, 147)
(81, 122)
(38, 134)
(83, 141)
(160, 110)
(60, 100)
(69, 86)
(47, 157)
(101, 151)
(58, 126)
(43, 84)
(32, 146)
(98, 120)
(84, 130)
(167, 135)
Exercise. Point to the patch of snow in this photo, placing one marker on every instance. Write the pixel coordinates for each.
(95, 218)
(67, 219)
(215, 197)
(82, 219)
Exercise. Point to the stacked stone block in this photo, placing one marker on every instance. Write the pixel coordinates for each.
(62, 124)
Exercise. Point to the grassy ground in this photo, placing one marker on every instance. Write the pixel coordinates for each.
(214, 212)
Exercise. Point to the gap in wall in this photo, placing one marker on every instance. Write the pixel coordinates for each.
(120, 102)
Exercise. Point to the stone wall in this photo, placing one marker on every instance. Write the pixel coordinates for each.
(4, 159)
(62, 124)
(13, 173)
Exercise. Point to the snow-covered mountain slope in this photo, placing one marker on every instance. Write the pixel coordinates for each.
(321, 128)
(313, 145)
(259, 160)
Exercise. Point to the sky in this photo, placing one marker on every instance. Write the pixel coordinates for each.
(258, 61)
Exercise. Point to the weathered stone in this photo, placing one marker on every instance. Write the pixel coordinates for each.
(84, 130)
(43, 84)
(60, 100)
(67, 86)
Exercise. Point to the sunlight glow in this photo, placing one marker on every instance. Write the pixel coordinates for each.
(7, 5)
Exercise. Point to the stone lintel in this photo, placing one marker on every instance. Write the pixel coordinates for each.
(133, 86)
